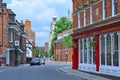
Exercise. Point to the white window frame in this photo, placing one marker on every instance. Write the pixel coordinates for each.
(78, 18)
(10, 36)
(113, 7)
(91, 12)
(85, 15)
(104, 9)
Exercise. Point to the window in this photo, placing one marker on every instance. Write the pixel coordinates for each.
(10, 36)
(115, 54)
(104, 9)
(81, 51)
(84, 16)
(79, 19)
(91, 12)
(114, 7)
(108, 50)
(102, 50)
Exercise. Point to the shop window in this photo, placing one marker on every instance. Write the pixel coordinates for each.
(90, 52)
(115, 54)
(94, 53)
(102, 50)
(108, 50)
(85, 51)
(81, 52)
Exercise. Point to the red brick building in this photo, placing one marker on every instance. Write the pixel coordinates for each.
(61, 53)
(96, 36)
(16, 41)
(30, 35)
(12, 37)
(3, 31)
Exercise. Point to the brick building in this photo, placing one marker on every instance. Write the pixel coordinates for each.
(44, 49)
(16, 41)
(96, 36)
(3, 31)
(61, 53)
(30, 36)
(12, 37)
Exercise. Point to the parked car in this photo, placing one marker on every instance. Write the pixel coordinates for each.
(42, 61)
(35, 61)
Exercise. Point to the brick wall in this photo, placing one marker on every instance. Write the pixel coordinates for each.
(97, 11)
(31, 34)
(3, 30)
(60, 52)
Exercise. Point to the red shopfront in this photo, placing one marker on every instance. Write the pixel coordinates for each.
(97, 48)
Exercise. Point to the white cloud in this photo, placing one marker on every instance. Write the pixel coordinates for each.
(41, 34)
(47, 14)
(40, 12)
(56, 1)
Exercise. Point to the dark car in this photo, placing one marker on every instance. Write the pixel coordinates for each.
(35, 61)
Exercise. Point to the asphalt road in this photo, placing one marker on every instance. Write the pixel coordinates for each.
(49, 71)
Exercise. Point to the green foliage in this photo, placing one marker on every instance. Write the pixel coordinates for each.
(67, 41)
(37, 51)
(92, 43)
(61, 25)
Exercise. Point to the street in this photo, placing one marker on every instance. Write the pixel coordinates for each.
(49, 71)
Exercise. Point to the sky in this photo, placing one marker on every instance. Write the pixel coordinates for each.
(40, 13)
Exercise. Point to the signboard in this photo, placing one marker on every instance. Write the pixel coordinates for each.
(17, 43)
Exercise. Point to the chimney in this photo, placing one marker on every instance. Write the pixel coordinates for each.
(28, 24)
(22, 23)
(0, 3)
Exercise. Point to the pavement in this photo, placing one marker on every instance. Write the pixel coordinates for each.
(87, 75)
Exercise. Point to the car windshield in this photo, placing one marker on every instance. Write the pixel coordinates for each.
(35, 59)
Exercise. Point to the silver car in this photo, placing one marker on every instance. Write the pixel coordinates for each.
(42, 61)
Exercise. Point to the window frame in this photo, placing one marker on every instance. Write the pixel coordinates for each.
(104, 9)
(10, 36)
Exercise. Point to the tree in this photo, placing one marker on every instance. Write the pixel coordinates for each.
(37, 51)
(60, 26)
(67, 41)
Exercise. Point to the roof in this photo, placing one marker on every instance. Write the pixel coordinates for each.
(10, 12)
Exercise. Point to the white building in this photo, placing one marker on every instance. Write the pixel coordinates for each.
(52, 27)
